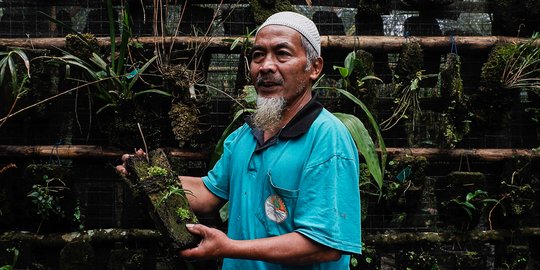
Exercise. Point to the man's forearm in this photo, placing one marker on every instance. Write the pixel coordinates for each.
(292, 249)
(201, 200)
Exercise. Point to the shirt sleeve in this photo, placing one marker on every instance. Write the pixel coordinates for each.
(328, 206)
(218, 179)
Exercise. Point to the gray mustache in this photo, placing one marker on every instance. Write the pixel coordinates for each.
(263, 81)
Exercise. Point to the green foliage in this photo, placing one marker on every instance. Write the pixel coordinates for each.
(11, 266)
(470, 204)
(412, 260)
(114, 79)
(173, 190)
(407, 100)
(457, 115)
(47, 198)
(360, 134)
(9, 69)
(78, 216)
(9, 63)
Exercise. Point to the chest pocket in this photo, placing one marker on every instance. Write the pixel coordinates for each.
(276, 209)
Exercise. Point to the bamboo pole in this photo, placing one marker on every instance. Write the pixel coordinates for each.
(488, 154)
(83, 151)
(221, 44)
(94, 151)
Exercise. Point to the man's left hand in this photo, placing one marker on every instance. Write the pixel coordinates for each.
(213, 245)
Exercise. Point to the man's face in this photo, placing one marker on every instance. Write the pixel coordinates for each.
(278, 64)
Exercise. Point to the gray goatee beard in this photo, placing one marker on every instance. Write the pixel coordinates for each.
(269, 112)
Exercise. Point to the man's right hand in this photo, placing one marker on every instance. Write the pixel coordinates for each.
(121, 169)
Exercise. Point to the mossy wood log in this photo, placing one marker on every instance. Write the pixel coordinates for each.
(117, 235)
(153, 178)
(408, 238)
(91, 236)
(221, 44)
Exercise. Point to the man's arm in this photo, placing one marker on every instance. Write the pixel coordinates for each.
(202, 201)
(291, 248)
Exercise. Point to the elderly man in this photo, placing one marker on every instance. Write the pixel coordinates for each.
(290, 174)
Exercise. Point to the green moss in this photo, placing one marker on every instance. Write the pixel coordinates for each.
(183, 213)
(79, 48)
(262, 11)
(184, 122)
(157, 171)
(417, 165)
(457, 116)
(411, 60)
(493, 68)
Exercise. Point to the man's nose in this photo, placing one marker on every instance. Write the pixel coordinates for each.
(268, 64)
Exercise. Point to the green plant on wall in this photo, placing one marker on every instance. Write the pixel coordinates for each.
(456, 117)
(510, 69)
(522, 68)
(407, 102)
(358, 130)
(473, 202)
(11, 266)
(9, 70)
(46, 198)
(417, 260)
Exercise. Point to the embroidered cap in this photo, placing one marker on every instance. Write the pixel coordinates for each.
(298, 22)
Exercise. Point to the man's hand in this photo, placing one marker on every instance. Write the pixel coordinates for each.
(121, 169)
(213, 245)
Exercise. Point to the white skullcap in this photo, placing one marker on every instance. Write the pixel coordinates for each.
(298, 22)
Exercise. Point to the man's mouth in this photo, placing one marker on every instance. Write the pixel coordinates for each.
(268, 83)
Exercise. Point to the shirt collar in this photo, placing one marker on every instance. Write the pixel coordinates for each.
(298, 125)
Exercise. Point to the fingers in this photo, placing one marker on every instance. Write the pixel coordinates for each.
(195, 228)
(121, 169)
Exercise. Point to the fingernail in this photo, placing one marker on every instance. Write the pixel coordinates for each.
(190, 225)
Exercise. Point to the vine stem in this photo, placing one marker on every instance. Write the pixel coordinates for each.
(144, 142)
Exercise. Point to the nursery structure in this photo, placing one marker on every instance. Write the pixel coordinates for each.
(452, 86)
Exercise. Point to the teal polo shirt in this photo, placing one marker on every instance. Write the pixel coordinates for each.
(304, 179)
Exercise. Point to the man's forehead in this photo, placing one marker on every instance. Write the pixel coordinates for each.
(277, 34)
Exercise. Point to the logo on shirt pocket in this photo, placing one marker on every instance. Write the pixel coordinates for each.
(275, 208)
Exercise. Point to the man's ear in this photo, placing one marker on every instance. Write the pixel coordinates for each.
(316, 68)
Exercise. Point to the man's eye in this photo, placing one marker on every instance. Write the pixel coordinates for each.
(283, 53)
(256, 55)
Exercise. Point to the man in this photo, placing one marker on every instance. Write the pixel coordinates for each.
(290, 174)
